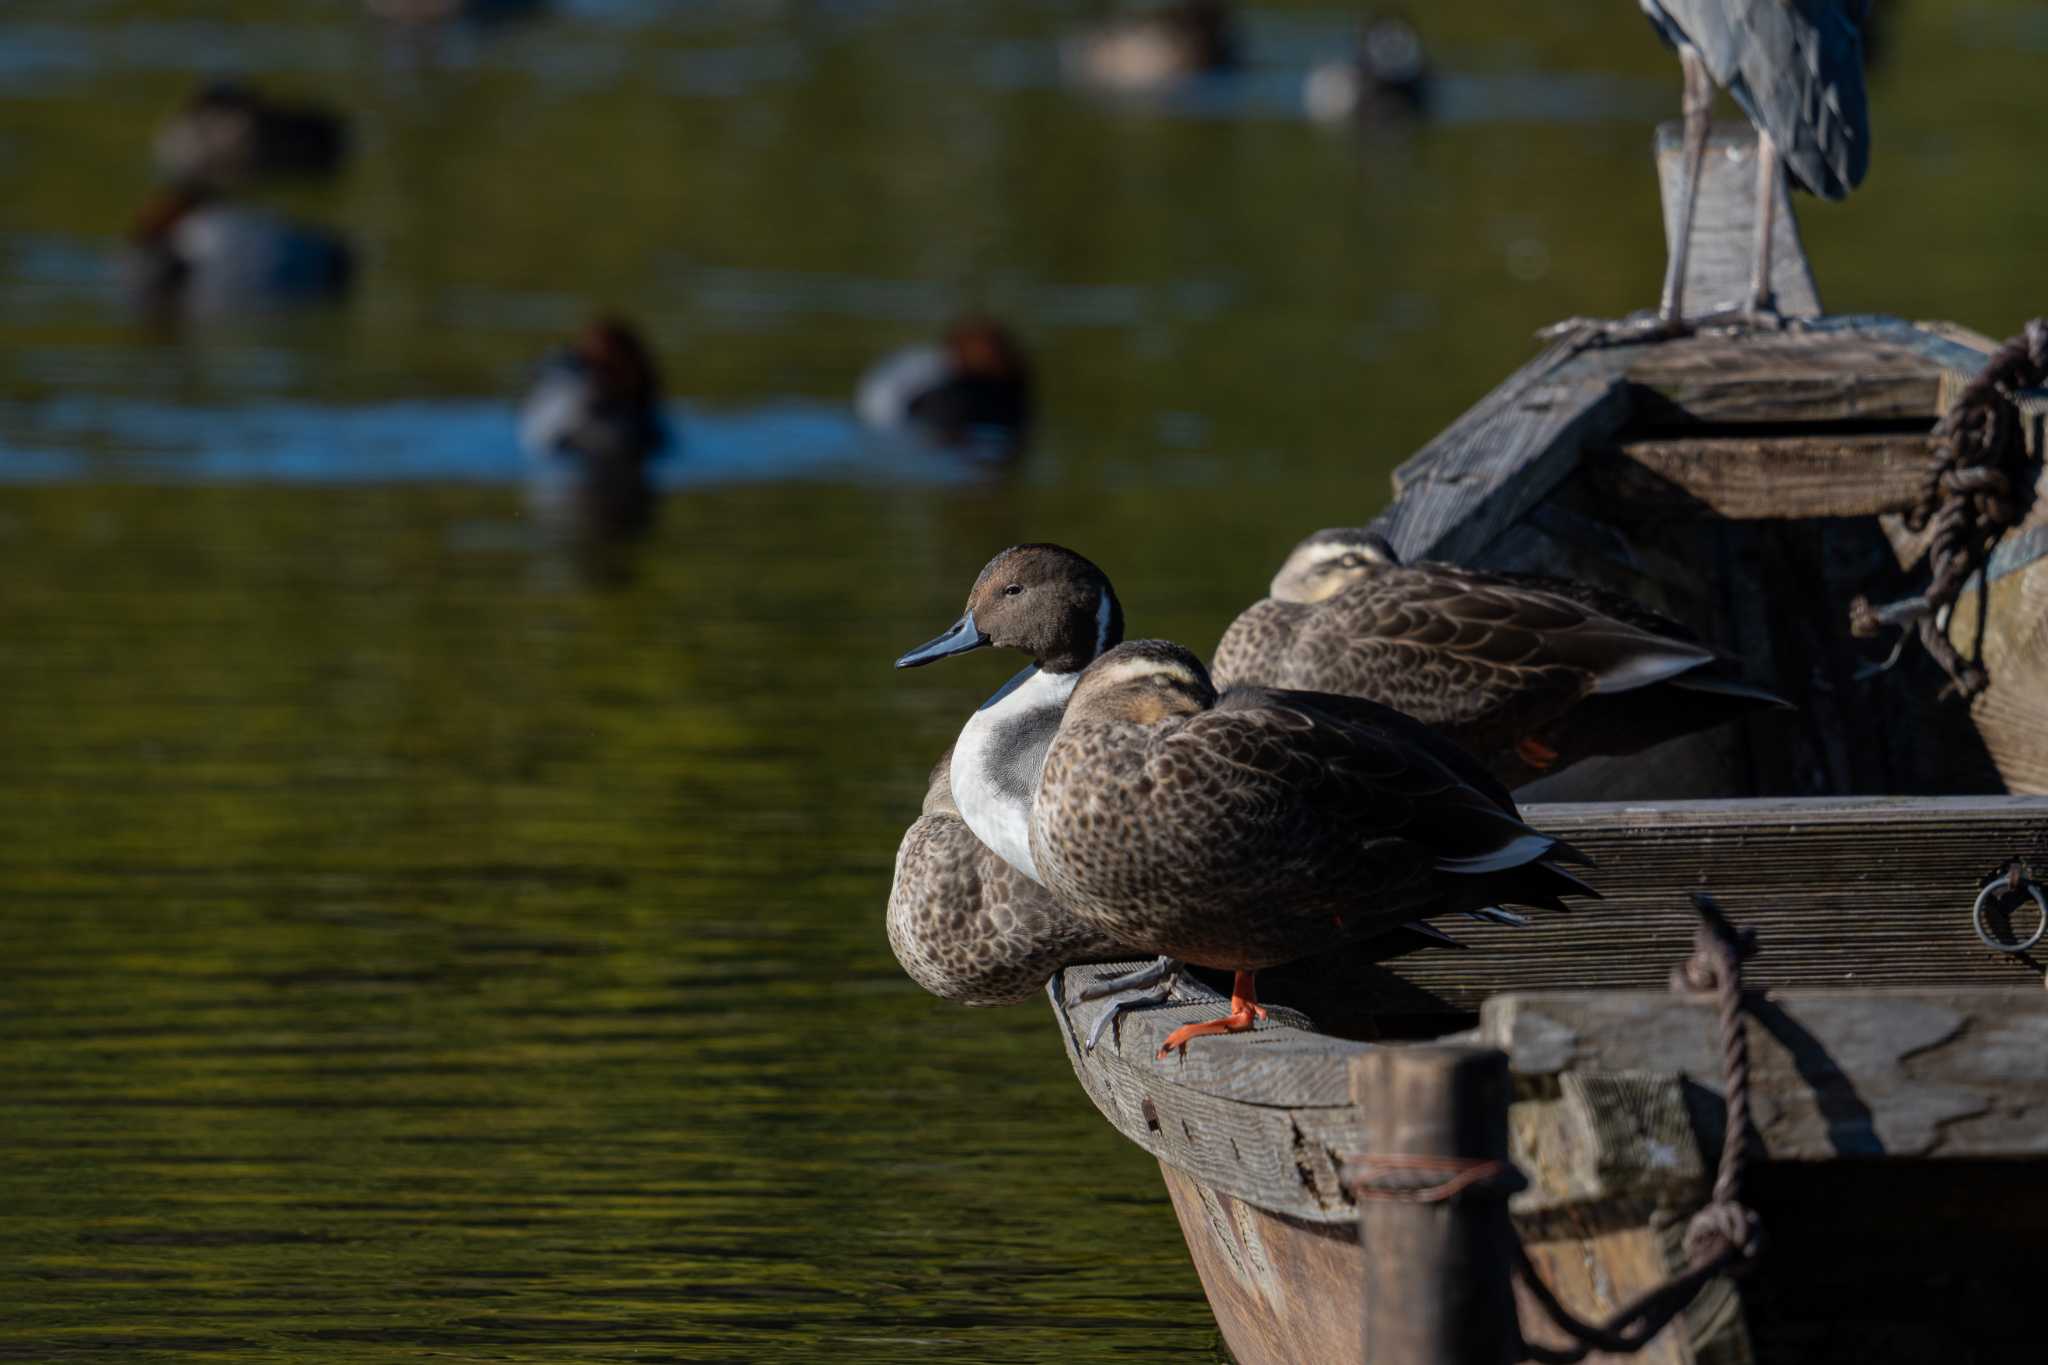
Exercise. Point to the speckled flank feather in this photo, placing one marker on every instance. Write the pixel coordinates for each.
(1490, 659)
(966, 925)
(1248, 831)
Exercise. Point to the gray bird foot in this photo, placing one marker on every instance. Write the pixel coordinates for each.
(1151, 985)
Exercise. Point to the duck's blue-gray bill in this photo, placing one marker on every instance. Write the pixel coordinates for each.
(960, 637)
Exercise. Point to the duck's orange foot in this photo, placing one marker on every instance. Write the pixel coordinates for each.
(1244, 1009)
(1234, 1022)
(1536, 754)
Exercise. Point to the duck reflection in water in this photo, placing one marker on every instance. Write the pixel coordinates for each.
(589, 425)
(971, 392)
(194, 254)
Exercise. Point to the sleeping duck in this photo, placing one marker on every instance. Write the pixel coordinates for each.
(1529, 674)
(589, 426)
(229, 135)
(971, 391)
(1154, 49)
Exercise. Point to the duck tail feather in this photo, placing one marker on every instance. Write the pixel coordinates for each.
(1731, 687)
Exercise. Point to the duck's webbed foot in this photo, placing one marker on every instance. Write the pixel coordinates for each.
(1152, 985)
(1244, 1009)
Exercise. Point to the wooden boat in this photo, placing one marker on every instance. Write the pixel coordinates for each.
(1754, 485)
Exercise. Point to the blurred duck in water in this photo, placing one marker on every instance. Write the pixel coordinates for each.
(589, 426)
(194, 254)
(1387, 78)
(1154, 49)
(972, 391)
(229, 135)
(420, 13)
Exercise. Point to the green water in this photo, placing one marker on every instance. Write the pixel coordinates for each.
(411, 951)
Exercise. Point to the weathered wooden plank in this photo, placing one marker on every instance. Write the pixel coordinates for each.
(1846, 891)
(1283, 1291)
(1767, 477)
(1437, 1288)
(1719, 265)
(1863, 374)
(1957, 1074)
(1497, 461)
(2012, 714)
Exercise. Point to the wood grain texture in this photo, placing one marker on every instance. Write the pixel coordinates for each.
(1283, 1291)
(1436, 1274)
(1771, 478)
(1498, 460)
(1959, 1074)
(1850, 891)
(1724, 225)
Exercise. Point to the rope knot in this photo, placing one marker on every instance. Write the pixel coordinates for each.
(1977, 485)
(1724, 1229)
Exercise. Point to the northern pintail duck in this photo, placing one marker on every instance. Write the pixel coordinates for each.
(972, 390)
(1056, 607)
(1387, 77)
(969, 927)
(1249, 829)
(228, 135)
(589, 425)
(1529, 674)
(1154, 49)
(195, 253)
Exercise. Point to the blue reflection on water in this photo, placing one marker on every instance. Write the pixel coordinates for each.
(462, 441)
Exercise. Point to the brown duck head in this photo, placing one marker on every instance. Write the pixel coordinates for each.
(1041, 600)
(1330, 561)
(1143, 682)
(619, 363)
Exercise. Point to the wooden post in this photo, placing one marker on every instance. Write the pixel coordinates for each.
(1437, 1290)
(1724, 225)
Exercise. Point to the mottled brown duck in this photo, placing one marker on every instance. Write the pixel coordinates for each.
(966, 925)
(1528, 674)
(1249, 829)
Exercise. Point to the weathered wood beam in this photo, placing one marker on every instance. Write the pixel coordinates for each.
(1866, 1073)
(1718, 269)
(1845, 890)
(1765, 478)
(1283, 1291)
(1496, 462)
(1436, 1274)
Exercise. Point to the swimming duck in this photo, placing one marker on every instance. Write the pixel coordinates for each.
(229, 134)
(973, 390)
(193, 252)
(589, 425)
(969, 927)
(1250, 828)
(1156, 48)
(1529, 674)
(1388, 77)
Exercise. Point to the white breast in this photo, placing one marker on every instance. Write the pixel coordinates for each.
(999, 756)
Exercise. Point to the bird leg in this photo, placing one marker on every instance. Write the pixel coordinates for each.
(1762, 305)
(1699, 104)
(1151, 985)
(1669, 320)
(1244, 1008)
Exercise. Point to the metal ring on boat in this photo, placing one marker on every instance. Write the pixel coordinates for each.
(2033, 889)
